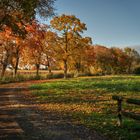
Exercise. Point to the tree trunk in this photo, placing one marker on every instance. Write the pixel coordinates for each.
(3, 70)
(37, 69)
(5, 63)
(16, 66)
(78, 68)
(129, 68)
(4, 66)
(65, 69)
(49, 65)
(65, 59)
(50, 70)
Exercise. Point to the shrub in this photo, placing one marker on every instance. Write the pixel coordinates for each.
(137, 70)
(49, 76)
(59, 75)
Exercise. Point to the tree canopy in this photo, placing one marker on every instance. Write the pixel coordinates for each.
(15, 13)
(70, 41)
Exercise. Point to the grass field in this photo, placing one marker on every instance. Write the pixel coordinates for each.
(89, 101)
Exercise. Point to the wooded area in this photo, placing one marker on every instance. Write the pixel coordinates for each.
(61, 46)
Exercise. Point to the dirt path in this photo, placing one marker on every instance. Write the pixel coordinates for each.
(20, 119)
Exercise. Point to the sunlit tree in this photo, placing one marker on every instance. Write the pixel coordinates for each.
(23, 11)
(69, 30)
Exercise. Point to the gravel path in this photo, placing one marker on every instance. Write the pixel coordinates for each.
(20, 119)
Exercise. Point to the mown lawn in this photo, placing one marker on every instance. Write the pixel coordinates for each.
(89, 100)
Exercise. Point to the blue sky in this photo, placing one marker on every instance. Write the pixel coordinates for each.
(109, 22)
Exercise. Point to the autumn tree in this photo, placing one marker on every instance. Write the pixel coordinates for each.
(18, 47)
(79, 55)
(111, 60)
(23, 11)
(11, 47)
(16, 15)
(49, 45)
(102, 59)
(35, 45)
(39, 46)
(89, 59)
(119, 61)
(5, 56)
(6, 48)
(69, 31)
(132, 60)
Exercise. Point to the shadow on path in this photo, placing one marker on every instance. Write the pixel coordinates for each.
(20, 119)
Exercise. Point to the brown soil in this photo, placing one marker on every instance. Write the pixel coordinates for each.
(21, 118)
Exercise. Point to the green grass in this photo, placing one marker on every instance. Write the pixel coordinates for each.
(89, 100)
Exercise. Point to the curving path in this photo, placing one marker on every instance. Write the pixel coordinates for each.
(20, 118)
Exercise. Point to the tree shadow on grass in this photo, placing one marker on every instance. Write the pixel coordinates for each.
(21, 119)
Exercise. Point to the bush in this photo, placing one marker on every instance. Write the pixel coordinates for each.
(89, 74)
(59, 75)
(49, 76)
(137, 70)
